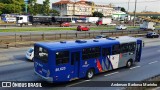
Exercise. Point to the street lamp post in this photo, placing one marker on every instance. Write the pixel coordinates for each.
(26, 6)
(135, 12)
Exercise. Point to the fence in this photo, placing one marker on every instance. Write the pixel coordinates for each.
(17, 40)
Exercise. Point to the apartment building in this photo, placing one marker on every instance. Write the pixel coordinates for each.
(80, 8)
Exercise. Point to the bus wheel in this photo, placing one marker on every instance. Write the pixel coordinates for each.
(90, 74)
(129, 63)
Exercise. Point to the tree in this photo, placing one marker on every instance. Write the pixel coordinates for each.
(98, 14)
(32, 7)
(46, 7)
(35, 8)
(123, 9)
(54, 12)
(12, 6)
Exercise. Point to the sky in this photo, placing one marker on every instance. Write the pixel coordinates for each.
(142, 5)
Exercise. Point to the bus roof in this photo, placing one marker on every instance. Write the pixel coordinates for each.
(86, 43)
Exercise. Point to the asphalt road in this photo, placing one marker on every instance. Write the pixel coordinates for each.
(14, 67)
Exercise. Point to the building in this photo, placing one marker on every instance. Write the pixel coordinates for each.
(105, 9)
(117, 14)
(81, 8)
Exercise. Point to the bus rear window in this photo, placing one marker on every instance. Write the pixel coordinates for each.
(41, 54)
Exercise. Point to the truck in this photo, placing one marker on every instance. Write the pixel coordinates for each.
(147, 25)
(92, 19)
(35, 20)
(104, 21)
(8, 18)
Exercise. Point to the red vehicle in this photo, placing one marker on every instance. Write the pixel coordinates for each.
(82, 28)
(65, 24)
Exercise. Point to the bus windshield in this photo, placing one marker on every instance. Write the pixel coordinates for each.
(41, 54)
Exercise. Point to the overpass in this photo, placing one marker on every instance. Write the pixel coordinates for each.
(157, 14)
(146, 16)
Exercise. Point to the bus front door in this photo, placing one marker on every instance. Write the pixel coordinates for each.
(75, 59)
(138, 52)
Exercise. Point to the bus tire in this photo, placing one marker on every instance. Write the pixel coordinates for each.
(90, 74)
(129, 63)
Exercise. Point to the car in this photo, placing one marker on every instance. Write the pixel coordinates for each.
(101, 36)
(83, 28)
(121, 27)
(30, 54)
(65, 24)
(152, 35)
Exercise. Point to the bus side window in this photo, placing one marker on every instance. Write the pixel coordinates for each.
(89, 53)
(105, 52)
(124, 48)
(115, 49)
(131, 47)
(62, 57)
(95, 53)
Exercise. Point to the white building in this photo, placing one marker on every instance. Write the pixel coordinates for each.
(119, 15)
(81, 8)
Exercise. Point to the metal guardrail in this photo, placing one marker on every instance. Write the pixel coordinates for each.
(29, 39)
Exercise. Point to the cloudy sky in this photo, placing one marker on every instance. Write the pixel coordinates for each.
(149, 5)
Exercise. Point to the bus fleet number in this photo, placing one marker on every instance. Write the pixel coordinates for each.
(60, 69)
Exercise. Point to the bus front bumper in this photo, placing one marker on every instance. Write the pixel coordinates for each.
(48, 79)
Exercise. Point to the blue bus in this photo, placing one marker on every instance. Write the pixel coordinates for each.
(69, 60)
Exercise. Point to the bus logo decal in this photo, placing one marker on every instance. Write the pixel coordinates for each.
(99, 66)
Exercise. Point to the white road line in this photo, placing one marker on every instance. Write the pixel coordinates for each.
(135, 67)
(77, 83)
(152, 62)
(110, 74)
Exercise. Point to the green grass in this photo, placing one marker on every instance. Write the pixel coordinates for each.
(23, 29)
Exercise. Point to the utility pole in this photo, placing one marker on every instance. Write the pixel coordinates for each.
(128, 5)
(61, 9)
(145, 8)
(135, 13)
(74, 7)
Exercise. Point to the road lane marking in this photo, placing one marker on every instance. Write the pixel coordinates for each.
(77, 83)
(111, 74)
(87, 80)
(135, 67)
(152, 62)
